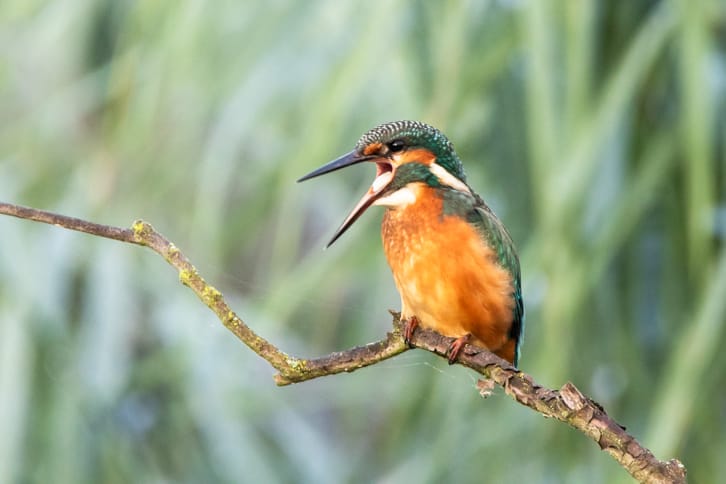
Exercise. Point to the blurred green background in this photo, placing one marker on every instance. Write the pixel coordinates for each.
(594, 129)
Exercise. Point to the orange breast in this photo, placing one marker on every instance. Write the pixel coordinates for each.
(446, 274)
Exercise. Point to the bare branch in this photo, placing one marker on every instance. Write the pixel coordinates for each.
(567, 404)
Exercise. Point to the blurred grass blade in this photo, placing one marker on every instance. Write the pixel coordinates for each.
(680, 392)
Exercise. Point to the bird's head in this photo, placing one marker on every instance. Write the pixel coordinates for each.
(404, 152)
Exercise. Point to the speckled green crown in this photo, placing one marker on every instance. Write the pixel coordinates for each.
(417, 134)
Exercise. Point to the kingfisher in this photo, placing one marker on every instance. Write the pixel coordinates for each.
(453, 261)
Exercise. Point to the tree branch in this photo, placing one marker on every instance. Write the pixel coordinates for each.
(567, 404)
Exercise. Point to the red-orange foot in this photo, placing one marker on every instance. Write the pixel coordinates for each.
(409, 326)
(456, 347)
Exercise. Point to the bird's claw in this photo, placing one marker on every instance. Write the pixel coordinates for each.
(409, 326)
(455, 348)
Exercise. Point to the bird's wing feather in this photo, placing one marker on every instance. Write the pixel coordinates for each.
(497, 236)
(470, 206)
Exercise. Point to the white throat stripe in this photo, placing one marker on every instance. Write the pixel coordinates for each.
(447, 178)
(400, 198)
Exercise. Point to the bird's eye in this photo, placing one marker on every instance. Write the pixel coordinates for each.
(396, 145)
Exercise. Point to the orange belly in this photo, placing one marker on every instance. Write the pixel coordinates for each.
(447, 275)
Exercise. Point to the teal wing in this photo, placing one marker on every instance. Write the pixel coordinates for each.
(496, 235)
(481, 217)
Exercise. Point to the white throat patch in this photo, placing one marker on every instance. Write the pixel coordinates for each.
(400, 198)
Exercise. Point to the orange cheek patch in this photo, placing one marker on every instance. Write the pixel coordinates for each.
(372, 149)
(425, 157)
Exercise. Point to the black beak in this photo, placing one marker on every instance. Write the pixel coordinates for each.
(368, 199)
(346, 160)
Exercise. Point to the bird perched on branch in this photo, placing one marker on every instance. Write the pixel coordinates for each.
(453, 261)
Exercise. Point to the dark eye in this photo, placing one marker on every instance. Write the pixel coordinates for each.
(396, 145)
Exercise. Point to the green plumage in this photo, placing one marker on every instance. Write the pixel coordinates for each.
(413, 172)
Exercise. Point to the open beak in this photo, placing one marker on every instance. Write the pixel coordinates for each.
(384, 176)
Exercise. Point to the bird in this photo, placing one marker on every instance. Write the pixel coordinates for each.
(453, 261)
